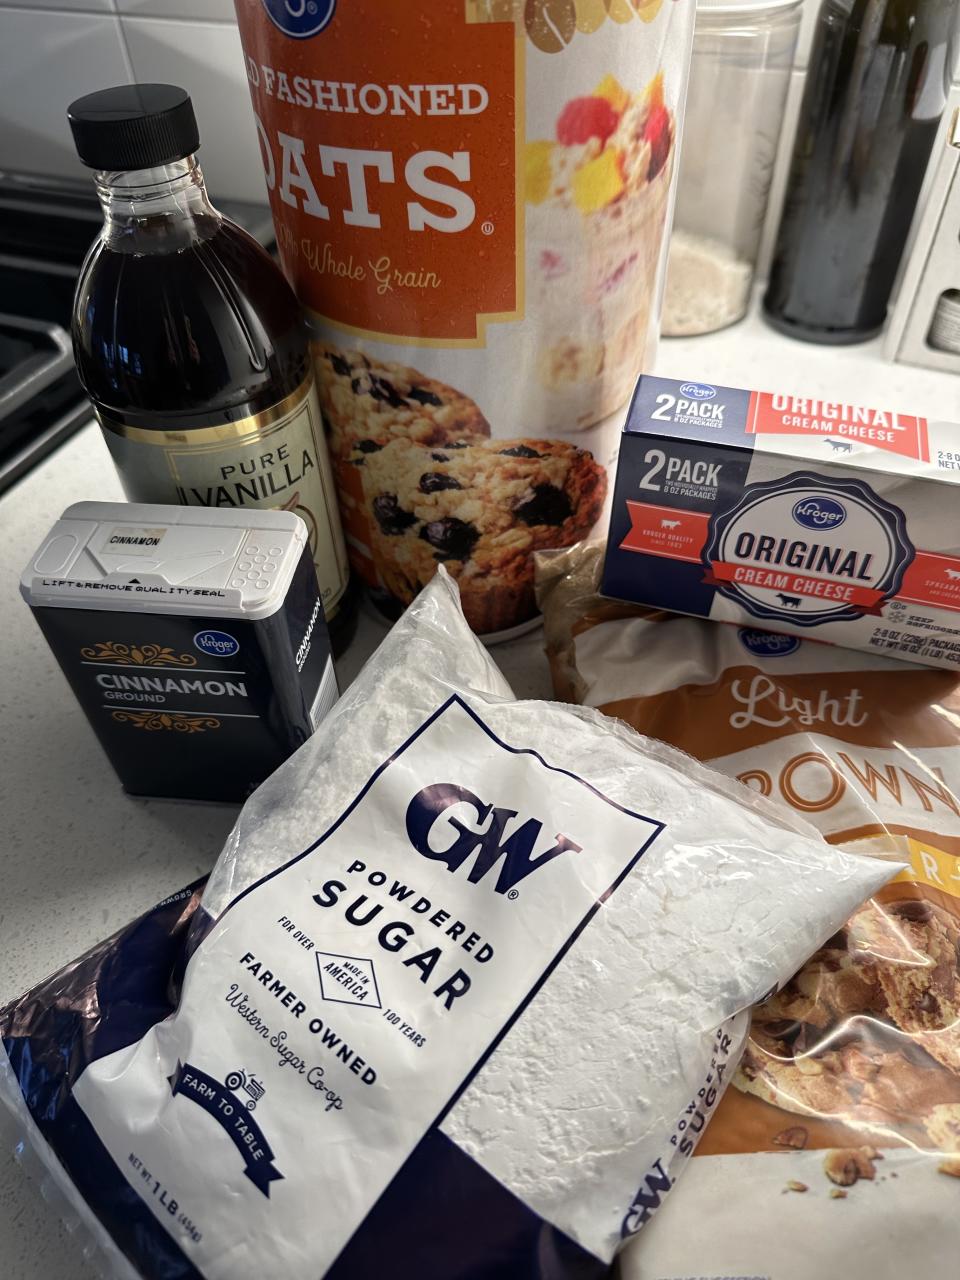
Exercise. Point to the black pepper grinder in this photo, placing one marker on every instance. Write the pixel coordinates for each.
(876, 88)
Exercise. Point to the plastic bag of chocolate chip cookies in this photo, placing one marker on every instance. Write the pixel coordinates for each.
(462, 989)
(836, 1152)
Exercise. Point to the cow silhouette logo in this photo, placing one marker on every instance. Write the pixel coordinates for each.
(806, 550)
(953, 573)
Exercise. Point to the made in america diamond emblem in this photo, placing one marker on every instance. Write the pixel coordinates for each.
(348, 979)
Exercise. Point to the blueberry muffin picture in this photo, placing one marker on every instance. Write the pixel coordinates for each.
(367, 403)
(481, 510)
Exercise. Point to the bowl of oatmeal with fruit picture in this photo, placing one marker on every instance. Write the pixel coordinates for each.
(596, 204)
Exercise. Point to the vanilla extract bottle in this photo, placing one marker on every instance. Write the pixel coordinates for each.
(189, 340)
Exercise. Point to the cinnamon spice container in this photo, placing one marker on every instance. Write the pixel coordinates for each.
(194, 639)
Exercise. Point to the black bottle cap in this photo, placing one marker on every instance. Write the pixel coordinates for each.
(133, 126)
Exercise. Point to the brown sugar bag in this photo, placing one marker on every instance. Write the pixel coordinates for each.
(849, 1089)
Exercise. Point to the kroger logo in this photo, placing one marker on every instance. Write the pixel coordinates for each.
(300, 18)
(479, 830)
(697, 390)
(764, 644)
(216, 644)
(819, 513)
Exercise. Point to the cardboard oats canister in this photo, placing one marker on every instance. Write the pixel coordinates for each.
(472, 199)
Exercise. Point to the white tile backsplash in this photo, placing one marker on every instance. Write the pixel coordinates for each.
(207, 60)
(46, 60)
(206, 10)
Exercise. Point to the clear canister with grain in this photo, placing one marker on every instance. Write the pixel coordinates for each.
(739, 76)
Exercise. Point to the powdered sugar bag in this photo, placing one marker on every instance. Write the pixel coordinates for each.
(465, 983)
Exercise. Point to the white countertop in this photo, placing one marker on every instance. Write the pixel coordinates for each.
(80, 858)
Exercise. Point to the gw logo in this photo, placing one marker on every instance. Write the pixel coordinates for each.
(430, 827)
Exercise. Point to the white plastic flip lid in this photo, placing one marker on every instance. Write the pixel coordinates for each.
(141, 558)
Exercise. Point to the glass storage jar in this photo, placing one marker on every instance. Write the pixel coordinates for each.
(739, 75)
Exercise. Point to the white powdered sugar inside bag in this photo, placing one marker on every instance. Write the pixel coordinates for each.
(469, 978)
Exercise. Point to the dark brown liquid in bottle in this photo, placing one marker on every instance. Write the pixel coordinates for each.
(875, 91)
(190, 326)
(187, 336)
